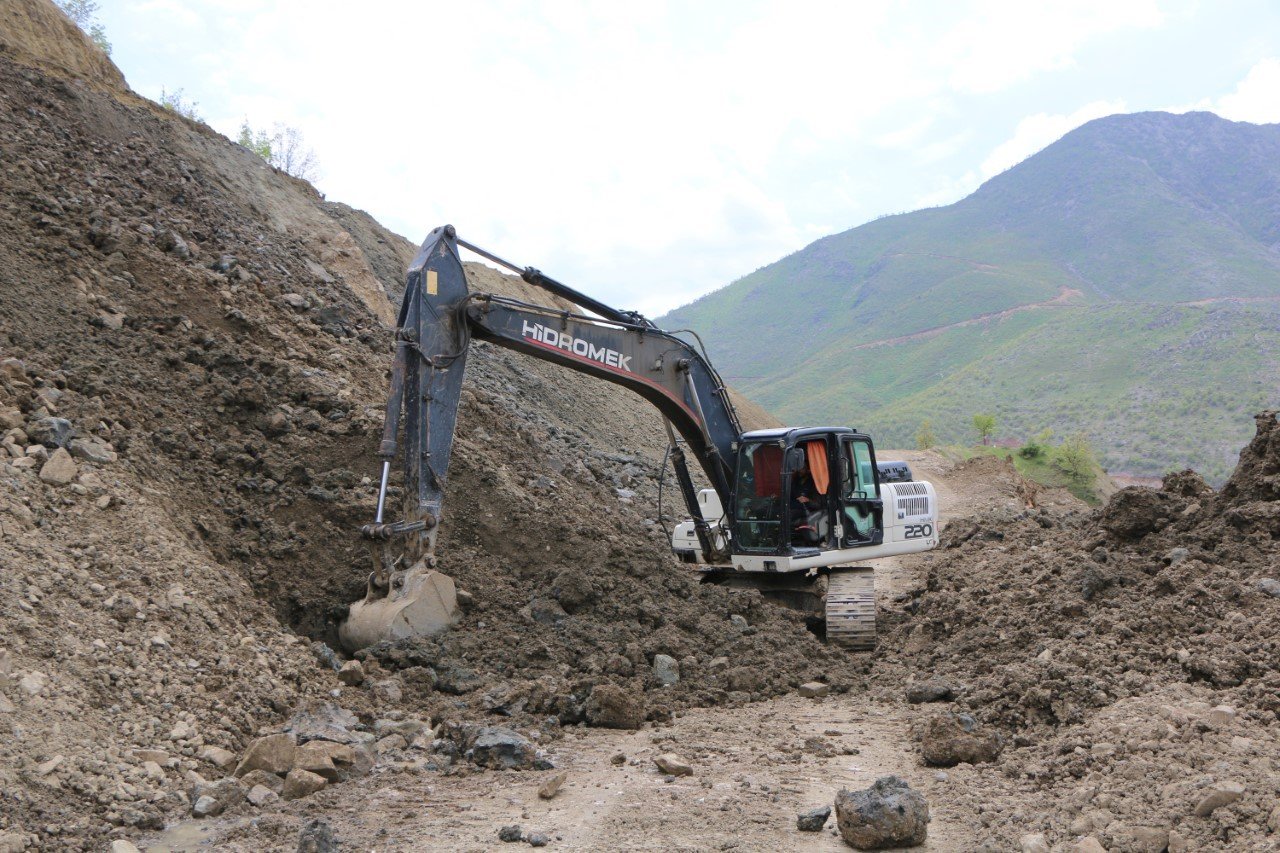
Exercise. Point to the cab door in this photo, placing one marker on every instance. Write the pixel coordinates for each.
(861, 520)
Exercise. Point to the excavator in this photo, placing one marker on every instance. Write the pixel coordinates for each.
(790, 511)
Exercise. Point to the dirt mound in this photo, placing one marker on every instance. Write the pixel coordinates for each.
(37, 33)
(194, 364)
(1102, 642)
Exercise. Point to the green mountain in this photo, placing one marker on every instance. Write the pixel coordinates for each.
(1124, 283)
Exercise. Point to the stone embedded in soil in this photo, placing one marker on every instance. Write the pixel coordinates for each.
(612, 707)
(888, 814)
(1137, 839)
(511, 833)
(1221, 794)
(813, 820)
(933, 690)
(323, 722)
(1033, 843)
(351, 673)
(60, 470)
(261, 778)
(666, 669)
(218, 757)
(1269, 586)
(273, 753)
(261, 795)
(92, 450)
(212, 799)
(551, 787)
(122, 846)
(502, 749)
(814, 690)
(673, 765)
(317, 837)
(1088, 844)
(951, 739)
(51, 432)
(302, 783)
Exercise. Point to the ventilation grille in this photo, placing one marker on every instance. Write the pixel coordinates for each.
(912, 499)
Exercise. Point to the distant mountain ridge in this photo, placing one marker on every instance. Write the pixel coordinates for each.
(1124, 282)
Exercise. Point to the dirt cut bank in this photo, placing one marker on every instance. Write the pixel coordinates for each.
(194, 360)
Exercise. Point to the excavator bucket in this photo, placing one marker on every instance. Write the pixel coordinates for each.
(418, 602)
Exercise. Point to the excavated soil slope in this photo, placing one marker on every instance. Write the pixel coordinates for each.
(206, 335)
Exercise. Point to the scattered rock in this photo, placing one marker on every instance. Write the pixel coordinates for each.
(666, 669)
(352, 673)
(273, 753)
(212, 799)
(1089, 844)
(502, 749)
(261, 778)
(170, 241)
(1221, 794)
(1033, 843)
(951, 739)
(813, 820)
(60, 470)
(537, 839)
(814, 690)
(673, 765)
(122, 846)
(218, 757)
(302, 783)
(323, 722)
(511, 833)
(1269, 586)
(388, 690)
(618, 759)
(261, 795)
(317, 837)
(1220, 716)
(888, 814)
(551, 787)
(933, 690)
(51, 432)
(92, 450)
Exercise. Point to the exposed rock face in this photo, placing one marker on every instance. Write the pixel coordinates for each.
(888, 814)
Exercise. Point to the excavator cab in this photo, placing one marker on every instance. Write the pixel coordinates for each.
(801, 492)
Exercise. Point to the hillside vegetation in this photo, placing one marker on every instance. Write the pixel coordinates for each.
(1123, 283)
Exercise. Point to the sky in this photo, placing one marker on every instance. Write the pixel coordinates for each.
(648, 153)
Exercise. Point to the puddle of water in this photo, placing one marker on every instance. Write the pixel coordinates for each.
(187, 836)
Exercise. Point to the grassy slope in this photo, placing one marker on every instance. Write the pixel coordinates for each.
(1132, 214)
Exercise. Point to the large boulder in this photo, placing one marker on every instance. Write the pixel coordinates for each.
(502, 749)
(273, 753)
(888, 814)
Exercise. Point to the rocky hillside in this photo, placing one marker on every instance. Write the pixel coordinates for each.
(193, 359)
(1124, 282)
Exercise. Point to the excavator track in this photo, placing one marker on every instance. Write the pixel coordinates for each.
(851, 608)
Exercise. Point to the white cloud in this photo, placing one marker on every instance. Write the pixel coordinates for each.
(1003, 42)
(1256, 98)
(1037, 131)
(646, 153)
